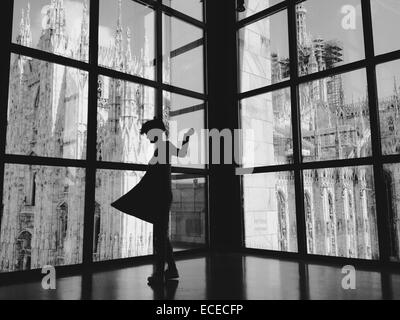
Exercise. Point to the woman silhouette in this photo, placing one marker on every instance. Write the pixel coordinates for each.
(151, 199)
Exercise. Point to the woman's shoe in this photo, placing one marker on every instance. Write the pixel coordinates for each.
(171, 274)
(156, 278)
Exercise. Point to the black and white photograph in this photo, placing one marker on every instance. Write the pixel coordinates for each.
(194, 156)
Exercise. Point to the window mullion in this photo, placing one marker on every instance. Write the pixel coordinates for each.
(91, 154)
(381, 203)
(296, 128)
(160, 64)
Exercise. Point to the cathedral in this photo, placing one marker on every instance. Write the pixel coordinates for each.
(43, 212)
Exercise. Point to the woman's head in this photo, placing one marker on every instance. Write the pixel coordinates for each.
(154, 130)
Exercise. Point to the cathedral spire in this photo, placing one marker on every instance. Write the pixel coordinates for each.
(339, 149)
(146, 58)
(58, 20)
(317, 137)
(21, 27)
(128, 54)
(119, 23)
(395, 88)
(119, 50)
(25, 33)
(84, 43)
(301, 13)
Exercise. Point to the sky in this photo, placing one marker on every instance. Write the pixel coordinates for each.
(73, 11)
(324, 19)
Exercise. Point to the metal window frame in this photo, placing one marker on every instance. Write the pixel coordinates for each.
(377, 160)
(91, 164)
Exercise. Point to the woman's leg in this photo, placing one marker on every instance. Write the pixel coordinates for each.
(159, 247)
(170, 256)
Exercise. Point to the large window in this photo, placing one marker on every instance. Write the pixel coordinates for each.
(321, 163)
(84, 75)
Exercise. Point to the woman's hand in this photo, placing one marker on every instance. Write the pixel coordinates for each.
(188, 135)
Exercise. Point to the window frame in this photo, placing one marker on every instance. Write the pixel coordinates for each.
(91, 164)
(377, 160)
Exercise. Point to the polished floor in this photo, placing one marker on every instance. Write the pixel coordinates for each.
(230, 276)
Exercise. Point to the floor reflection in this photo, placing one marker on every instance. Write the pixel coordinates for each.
(218, 277)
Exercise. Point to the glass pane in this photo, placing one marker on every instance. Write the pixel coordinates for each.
(275, 279)
(386, 22)
(122, 109)
(182, 114)
(47, 109)
(368, 284)
(335, 118)
(330, 33)
(395, 280)
(270, 211)
(340, 212)
(388, 77)
(264, 52)
(183, 46)
(267, 129)
(42, 218)
(188, 212)
(56, 26)
(127, 37)
(392, 191)
(255, 6)
(193, 8)
(118, 235)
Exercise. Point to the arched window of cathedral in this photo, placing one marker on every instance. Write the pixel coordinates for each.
(96, 238)
(62, 230)
(100, 88)
(33, 195)
(351, 226)
(331, 226)
(391, 124)
(37, 99)
(393, 217)
(24, 251)
(309, 223)
(31, 191)
(282, 221)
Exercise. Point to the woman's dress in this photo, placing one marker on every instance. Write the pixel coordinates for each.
(151, 198)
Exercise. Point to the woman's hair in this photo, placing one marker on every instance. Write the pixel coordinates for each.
(152, 125)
